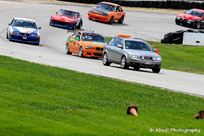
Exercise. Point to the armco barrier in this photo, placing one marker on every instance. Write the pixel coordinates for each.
(173, 4)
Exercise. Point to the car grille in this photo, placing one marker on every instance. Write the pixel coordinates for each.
(97, 54)
(148, 58)
(99, 49)
(24, 34)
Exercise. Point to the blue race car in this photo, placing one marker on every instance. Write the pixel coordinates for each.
(23, 30)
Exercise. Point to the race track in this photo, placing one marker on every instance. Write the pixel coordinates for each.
(150, 26)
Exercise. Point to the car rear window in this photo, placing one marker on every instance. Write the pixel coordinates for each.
(137, 45)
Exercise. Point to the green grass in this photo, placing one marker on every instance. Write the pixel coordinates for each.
(180, 57)
(38, 100)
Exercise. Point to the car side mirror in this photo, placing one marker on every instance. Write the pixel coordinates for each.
(56, 13)
(9, 24)
(185, 11)
(40, 27)
(120, 46)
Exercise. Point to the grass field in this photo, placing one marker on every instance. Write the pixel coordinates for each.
(37, 100)
(180, 57)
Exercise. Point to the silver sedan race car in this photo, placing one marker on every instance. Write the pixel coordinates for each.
(132, 52)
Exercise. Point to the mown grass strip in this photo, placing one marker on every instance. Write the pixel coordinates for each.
(42, 100)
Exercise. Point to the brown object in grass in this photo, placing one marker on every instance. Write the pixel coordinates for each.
(132, 110)
(200, 115)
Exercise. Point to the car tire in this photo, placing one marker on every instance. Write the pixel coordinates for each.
(105, 60)
(136, 68)
(67, 49)
(51, 24)
(7, 36)
(80, 25)
(81, 54)
(111, 20)
(197, 25)
(120, 21)
(123, 63)
(156, 69)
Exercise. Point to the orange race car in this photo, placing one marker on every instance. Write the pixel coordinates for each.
(85, 44)
(107, 12)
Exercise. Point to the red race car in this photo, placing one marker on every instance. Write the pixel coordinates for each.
(192, 18)
(67, 19)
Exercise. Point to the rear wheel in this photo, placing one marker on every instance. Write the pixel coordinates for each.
(81, 54)
(120, 21)
(105, 60)
(123, 63)
(156, 69)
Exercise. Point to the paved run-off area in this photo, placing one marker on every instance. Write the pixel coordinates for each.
(151, 26)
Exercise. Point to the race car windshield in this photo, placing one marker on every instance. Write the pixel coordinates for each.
(106, 7)
(23, 23)
(67, 13)
(137, 45)
(194, 13)
(93, 38)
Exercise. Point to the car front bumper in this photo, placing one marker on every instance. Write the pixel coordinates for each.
(143, 63)
(26, 39)
(60, 24)
(99, 17)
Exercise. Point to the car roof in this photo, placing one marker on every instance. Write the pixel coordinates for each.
(132, 39)
(111, 3)
(24, 19)
(199, 10)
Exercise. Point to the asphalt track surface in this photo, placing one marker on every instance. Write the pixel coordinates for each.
(151, 26)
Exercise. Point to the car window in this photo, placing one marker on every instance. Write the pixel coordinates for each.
(119, 9)
(93, 37)
(67, 13)
(24, 23)
(105, 6)
(117, 42)
(195, 13)
(137, 45)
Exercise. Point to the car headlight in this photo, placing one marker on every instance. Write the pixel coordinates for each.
(133, 56)
(156, 58)
(89, 47)
(15, 32)
(34, 35)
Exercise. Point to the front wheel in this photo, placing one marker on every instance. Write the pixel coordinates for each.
(81, 54)
(124, 63)
(80, 25)
(67, 49)
(156, 69)
(105, 60)
(197, 25)
(111, 20)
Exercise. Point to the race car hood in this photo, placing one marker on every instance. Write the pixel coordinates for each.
(142, 53)
(100, 10)
(188, 16)
(67, 19)
(94, 44)
(24, 30)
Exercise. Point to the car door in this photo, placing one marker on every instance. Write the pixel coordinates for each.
(118, 50)
(109, 49)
